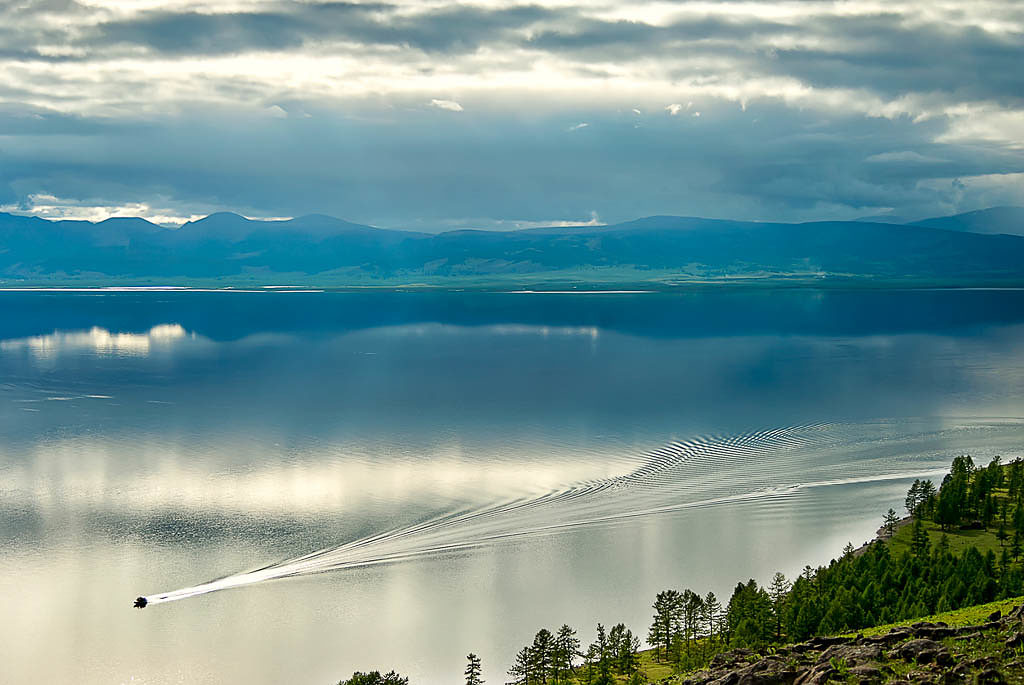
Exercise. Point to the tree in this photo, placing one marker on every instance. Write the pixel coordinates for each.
(1015, 548)
(623, 648)
(520, 671)
(778, 592)
(473, 670)
(913, 497)
(566, 648)
(540, 655)
(375, 678)
(667, 607)
(919, 543)
(1002, 535)
(712, 614)
(890, 521)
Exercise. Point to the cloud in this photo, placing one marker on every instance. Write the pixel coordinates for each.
(908, 156)
(806, 109)
(449, 105)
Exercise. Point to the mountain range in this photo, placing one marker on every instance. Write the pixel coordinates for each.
(986, 246)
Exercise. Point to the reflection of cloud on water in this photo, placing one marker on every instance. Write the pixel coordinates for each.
(99, 341)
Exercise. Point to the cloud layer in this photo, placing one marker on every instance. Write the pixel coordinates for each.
(436, 114)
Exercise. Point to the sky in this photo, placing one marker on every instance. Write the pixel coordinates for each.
(431, 115)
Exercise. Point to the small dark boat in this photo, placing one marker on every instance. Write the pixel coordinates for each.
(141, 602)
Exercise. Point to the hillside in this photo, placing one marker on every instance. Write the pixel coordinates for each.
(654, 251)
(1007, 220)
(983, 644)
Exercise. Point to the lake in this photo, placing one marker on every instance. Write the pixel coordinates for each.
(446, 473)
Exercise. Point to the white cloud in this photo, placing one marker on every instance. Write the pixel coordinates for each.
(449, 105)
(578, 126)
(277, 112)
(674, 109)
(903, 156)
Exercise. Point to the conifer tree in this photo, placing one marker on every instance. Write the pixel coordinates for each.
(520, 671)
(778, 592)
(540, 655)
(890, 521)
(566, 648)
(473, 670)
(667, 608)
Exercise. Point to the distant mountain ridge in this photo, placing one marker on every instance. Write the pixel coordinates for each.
(986, 245)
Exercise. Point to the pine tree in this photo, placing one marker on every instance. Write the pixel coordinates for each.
(566, 648)
(913, 497)
(540, 655)
(779, 593)
(520, 671)
(919, 544)
(473, 670)
(1015, 548)
(667, 607)
(890, 521)
(712, 617)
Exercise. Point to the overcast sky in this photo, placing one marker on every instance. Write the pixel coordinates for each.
(432, 114)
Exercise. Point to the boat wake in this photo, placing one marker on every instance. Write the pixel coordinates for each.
(664, 480)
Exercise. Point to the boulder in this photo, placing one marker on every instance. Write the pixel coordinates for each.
(852, 655)
(869, 675)
(990, 676)
(923, 651)
(892, 637)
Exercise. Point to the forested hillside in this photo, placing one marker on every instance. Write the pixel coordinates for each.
(960, 546)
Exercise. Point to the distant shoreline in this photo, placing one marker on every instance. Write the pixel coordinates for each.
(588, 289)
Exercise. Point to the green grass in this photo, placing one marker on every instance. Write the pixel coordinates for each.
(959, 540)
(968, 616)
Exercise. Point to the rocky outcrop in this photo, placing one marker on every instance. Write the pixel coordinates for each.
(919, 654)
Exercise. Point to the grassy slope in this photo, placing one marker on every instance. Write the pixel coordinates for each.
(967, 616)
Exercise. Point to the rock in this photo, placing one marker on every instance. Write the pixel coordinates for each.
(768, 671)
(923, 651)
(922, 677)
(818, 675)
(968, 636)
(822, 642)
(852, 655)
(892, 637)
(1015, 640)
(990, 676)
(957, 674)
(1015, 613)
(935, 632)
(731, 658)
(995, 616)
(866, 674)
(730, 678)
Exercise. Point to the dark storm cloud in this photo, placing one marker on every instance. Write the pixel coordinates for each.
(880, 53)
(450, 29)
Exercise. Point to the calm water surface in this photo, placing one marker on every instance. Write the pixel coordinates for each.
(563, 456)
